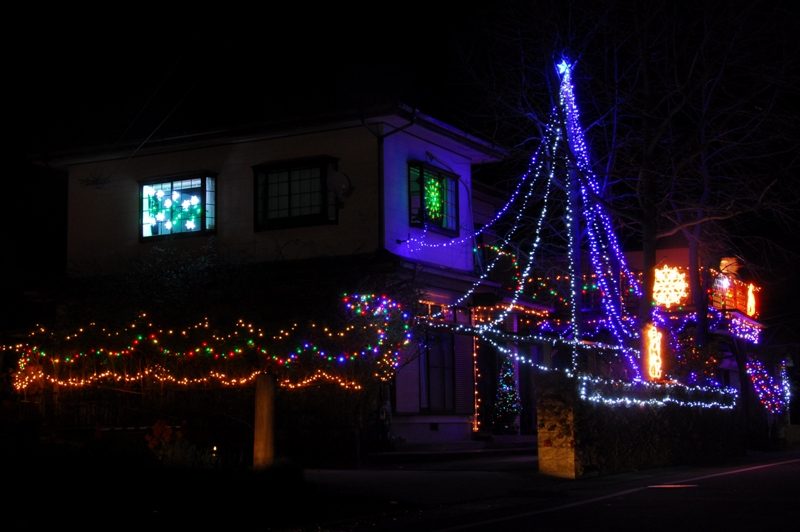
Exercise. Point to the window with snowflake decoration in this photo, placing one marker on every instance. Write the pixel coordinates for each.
(433, 198)
(178, 205)
(669, 287)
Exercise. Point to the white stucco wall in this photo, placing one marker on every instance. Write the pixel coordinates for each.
(103, 228)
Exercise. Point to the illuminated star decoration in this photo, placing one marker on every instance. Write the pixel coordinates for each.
(669, 287)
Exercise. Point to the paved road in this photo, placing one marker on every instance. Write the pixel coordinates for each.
(508, 493)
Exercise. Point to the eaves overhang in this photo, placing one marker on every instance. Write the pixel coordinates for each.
(397, 117)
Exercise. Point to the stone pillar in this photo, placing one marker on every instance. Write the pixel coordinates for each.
(264, 438)
(556, 400)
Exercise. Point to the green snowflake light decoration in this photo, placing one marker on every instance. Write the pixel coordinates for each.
(434, 201)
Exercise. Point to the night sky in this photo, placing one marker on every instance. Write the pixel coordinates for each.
(98, 83)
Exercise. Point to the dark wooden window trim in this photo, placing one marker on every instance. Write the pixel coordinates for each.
(419, 219)
(328, 214)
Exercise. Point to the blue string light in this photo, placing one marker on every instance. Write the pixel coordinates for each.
(613, 278)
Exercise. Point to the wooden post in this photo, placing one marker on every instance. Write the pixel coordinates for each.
(546, 359)
(264, 438)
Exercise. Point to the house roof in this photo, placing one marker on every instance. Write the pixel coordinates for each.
(382, 122)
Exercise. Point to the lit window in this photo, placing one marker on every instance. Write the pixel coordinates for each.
(294, 193)
(178, 205)
(433, 198)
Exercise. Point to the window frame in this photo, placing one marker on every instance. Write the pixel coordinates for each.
(206, 228)
(329, 211)
(424, 221)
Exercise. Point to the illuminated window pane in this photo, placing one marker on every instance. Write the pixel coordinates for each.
(433, 198)
(178, 206)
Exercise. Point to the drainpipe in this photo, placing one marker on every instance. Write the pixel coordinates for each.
(381, 200)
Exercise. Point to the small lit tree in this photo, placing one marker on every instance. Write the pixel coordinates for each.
(507, 404)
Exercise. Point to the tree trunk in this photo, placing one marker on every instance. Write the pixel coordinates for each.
(699, 296)
(649, 260)
(264, 437)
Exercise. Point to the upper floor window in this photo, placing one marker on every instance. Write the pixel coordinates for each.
(178, 205)
(294, 193)
(433, 198)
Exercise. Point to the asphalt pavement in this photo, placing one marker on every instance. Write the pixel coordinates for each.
(504, 491)
(474, 490)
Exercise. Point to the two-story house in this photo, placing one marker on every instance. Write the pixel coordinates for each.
(342, 187)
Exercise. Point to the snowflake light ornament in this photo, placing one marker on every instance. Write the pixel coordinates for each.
(669, 287)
